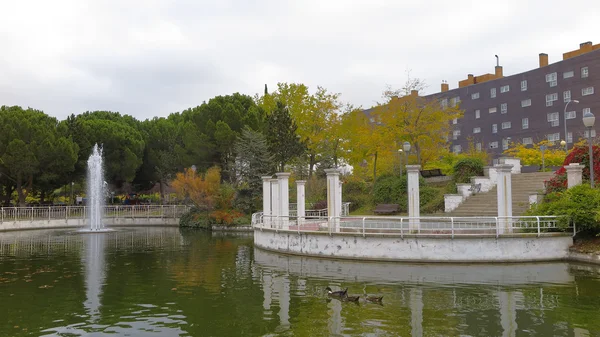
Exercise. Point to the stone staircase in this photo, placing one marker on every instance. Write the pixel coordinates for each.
(486, 204)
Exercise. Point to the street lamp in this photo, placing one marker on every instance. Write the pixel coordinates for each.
(400, 160)
(565, 115)
(543, 148)
(588, 121)
(406, 147)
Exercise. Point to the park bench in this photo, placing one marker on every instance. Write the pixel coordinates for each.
(386, 209)
(432, 173)
(475, 188)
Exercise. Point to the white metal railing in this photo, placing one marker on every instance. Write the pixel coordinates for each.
(323, 212)
(431, 226)
(11, 214)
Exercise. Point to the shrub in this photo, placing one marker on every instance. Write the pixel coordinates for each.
(391, 189)
(195, 218)
(579, 154)
(580, 203)
(358, 193)
(466, 168)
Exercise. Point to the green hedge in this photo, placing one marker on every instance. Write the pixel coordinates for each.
(466, 168)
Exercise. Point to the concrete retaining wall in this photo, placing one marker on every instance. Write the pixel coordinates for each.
(75, 223)
(416, 248)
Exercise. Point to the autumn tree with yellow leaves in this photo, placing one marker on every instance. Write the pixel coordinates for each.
(554, 154)
(202, 190)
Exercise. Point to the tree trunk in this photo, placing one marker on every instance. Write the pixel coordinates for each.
(418, 151)
(20, 191)
(162, 192)
(9, 191)
(374, 168)
(311, 164)
(42, 196)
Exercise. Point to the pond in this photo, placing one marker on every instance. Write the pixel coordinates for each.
(172, 282)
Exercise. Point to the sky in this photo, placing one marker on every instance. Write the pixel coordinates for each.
(150, 58)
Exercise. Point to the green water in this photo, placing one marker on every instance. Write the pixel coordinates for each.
(167, 282)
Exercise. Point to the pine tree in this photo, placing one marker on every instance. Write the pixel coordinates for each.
(282, 139)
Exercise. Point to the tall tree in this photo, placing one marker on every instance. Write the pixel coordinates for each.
(316, 115)
(282, 139)
(253, 159)
(33, 149)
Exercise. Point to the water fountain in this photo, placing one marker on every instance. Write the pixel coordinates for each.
(95, 191)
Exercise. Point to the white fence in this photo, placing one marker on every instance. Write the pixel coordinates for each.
(11, 214)
(430, 226)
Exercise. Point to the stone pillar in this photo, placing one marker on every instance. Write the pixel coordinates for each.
(275, 204)
(333, 185)
(574, 174)
(413, 196)
(301, 200)
(266, 200)
(515, 162)
(284, 197)
(504, 189)
(339, 197)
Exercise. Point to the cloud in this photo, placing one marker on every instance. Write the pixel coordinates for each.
(153, 57)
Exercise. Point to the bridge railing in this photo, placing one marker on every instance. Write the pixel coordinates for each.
(430, 226)
(11, 214)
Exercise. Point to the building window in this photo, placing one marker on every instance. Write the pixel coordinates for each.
(475, 95)
(454, 101)
(566, 96)
(503, 108)
(551, 98)
(505, 143)
(493, 145)
(553, 137)
(455, 134)
(569, 137)
(553, 119)
(587, 91)
(551, 78)
(587, 132)
(494, 128)
(504, 88)
(523, 85)
(476, 130)
(444, 103)
(493, 92)
(527, 141)
(455, 121)
(506, 125)
(477, 114)
(526, 102)
(457, 148)
(493, 110)
(525, 123)
(568, 74)
(584, 72)
(478, 147)
(570, 114)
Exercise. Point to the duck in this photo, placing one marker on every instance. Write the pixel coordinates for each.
(339, 293)
(374, 299)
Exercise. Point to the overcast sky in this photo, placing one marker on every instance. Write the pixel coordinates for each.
(152, 57)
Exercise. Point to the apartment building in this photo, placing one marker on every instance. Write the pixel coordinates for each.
(527, 107)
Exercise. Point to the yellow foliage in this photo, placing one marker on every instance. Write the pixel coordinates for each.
(554, 155)
(203, 190)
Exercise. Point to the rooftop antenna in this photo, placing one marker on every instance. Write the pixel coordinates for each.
(497, 61)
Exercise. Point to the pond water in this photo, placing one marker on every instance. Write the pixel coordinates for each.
(170, 282)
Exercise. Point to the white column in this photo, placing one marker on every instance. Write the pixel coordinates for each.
(574, 174)
(339, 197)
(333, 184)
(275, 203)
(266, 200)
(504, 189)
(414, 211)
(284, 197)
(300, 200)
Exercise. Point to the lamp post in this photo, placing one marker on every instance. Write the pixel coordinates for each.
(543, 148)
(588, 121)
(565, 121)
(406, 147)
(400, 160)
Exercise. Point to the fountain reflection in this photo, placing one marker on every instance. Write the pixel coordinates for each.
(95, 274)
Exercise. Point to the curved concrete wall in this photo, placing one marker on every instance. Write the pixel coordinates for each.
(416, 248)
(74, 223)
